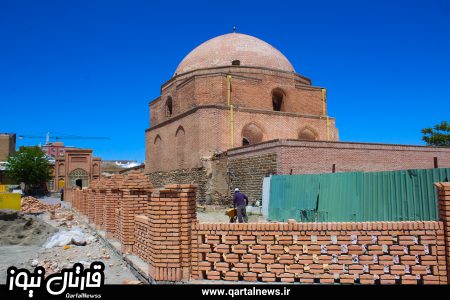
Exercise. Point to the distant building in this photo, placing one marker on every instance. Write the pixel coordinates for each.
(55, 149)
(75, 168)
(7, 145)
(110, 167)
(140, 168)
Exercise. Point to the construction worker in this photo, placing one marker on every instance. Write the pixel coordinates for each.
(240, 201)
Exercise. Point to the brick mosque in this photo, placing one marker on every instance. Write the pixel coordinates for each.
(236, 110)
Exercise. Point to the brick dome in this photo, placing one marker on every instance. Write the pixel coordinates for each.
(223, 50)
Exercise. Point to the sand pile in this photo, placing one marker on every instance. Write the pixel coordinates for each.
(33, 205)
(17, 229)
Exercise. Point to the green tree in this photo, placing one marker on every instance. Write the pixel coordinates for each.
(30, 166)
(439, 135)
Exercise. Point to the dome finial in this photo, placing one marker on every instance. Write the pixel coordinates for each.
(234, 29)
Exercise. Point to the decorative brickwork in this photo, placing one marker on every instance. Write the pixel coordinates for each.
(142, 237)
(391, 252)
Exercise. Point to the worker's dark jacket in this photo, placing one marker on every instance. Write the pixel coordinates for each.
(240, 199)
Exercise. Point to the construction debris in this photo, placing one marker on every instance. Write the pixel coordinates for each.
(63, 238)
(33, 205)
(128, 281)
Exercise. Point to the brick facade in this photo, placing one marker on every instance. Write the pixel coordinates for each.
(247, 173)
(196, 176)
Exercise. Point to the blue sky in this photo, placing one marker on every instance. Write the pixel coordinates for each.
(89, 68)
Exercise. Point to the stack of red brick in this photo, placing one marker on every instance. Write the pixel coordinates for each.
(388, 252)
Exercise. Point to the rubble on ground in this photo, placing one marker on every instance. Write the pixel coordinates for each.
(33, 205)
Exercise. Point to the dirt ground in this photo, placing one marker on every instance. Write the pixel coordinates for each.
(216, 214)
(28, 251)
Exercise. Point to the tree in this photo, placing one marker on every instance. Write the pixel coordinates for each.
(30, 166)
(439, 135)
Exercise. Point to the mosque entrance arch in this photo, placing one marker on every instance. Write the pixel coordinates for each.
(79, 178)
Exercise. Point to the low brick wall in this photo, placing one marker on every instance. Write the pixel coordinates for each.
(391, 252)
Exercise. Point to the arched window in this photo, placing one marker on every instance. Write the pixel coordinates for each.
(251, 134)
(169, 107)
(180, 137)
(156, 156)
(307, 134)
(277, 99)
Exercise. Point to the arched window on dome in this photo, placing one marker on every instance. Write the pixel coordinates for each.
(169, 107)
(278, 99)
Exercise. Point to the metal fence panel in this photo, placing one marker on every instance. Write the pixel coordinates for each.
(404, 195)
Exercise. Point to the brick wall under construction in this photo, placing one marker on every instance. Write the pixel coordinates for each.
(160, 226)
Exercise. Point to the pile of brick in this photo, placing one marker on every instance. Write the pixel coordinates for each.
(33, 205)
(366, 253)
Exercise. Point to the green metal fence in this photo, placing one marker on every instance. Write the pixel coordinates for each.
(405, 195)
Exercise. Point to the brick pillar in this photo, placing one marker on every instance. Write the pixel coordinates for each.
(444, 216)
(84, 203)
(133, 201)
(100, 202)
(170, 216)
(111, 204)
(91, 201)
(75, 200)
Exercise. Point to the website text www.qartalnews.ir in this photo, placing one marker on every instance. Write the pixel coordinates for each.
(254, 291)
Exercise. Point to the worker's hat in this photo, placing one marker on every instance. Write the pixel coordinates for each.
(236, 189)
